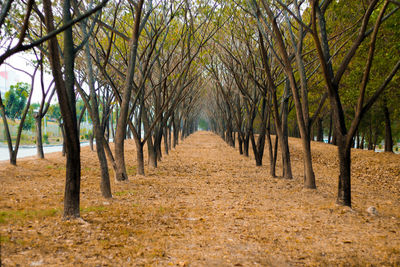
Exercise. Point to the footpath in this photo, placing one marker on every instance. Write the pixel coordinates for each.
(205, 205)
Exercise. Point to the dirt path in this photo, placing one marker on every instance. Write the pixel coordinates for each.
(205, 205)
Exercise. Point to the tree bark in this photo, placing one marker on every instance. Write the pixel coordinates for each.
(240, 142)
(165, 139)
(121, 174)
(39, 142)
(344, 186)
(140, 158)
(246, 144)
(320, 130)
(388, 130)
(151, 153)
(66, 97)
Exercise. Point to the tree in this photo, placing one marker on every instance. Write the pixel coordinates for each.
(21, 90)
(333, 80)
(66, 96)
(121, 174)
(15, 100)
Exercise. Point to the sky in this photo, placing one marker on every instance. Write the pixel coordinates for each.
(9, 76)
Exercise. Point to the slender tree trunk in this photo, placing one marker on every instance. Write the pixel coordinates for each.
(97, 131)
(91, 139)
(320, 129)
(176, 135)
(140, 158)
(362, 141)
(344, 186)
(13, 158)
(330, 129)
(388, 130)
(66, 96)
(240, 142)
(275, 157)
(370, 137)
(61, 125)
(112, 124)
(334, 137)
(376, 134)
(284, 141)
(157, 144)
(169, 138)
(246, 144)
(229, 138)
(39, 142)
(255, 151)
(105, 186)
(121, 174)
(109, 154)
(309, 177)
(165, 139)
(151, 153)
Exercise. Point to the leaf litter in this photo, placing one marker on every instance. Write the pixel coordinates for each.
(205, 205)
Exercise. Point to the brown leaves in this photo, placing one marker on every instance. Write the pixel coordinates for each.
(204, 205)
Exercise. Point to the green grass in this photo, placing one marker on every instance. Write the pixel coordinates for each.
(124, 193)
(4, 239)
(18, 215)
(131, 170)
(55, 167)
(93, 208)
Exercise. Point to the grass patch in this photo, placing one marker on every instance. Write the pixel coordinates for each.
(4, 239)
(16, 215)
(131, 170)
(55, 167)
(163, 210)
(93, 208)
(124, 193)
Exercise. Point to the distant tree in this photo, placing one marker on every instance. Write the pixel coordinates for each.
(29, 122)
(15, 100)
(24, 90)
(54, 112)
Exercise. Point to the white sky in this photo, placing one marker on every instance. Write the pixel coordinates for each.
(21, 61)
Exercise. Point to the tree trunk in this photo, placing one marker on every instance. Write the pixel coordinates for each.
(330, 129)
(152, 161)
(91, 137)
(370, 137)
(157, 144)
(165, 139)
(66, 97)
(320, 130)
(120, 134)
(256, 153)
(240, 142)
(13, 158)
(112, 124)
(344, 186)
(309, 176)
(140, 158)
(39, 142)
(105, 186)
(362, 141)
(169, 138)
(388, 130)
(176, 136)
(275, 157)
(284, 141)
(246, 144)
(63, 137)
(109, 154)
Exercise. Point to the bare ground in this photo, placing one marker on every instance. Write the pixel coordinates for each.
(205, 205)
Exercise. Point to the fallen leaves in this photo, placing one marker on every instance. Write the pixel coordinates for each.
(204, 205)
